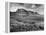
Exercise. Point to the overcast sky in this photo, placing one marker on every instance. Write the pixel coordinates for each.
(36, 8)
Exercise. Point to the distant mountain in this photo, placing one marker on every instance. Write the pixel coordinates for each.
(24, 11)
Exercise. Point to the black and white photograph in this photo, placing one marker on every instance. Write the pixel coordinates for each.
(26, 17)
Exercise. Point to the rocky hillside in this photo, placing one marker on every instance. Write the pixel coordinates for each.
(23, 20)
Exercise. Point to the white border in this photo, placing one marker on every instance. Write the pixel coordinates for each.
(8, 18)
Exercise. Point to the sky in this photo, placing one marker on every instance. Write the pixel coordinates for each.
(32, 7)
